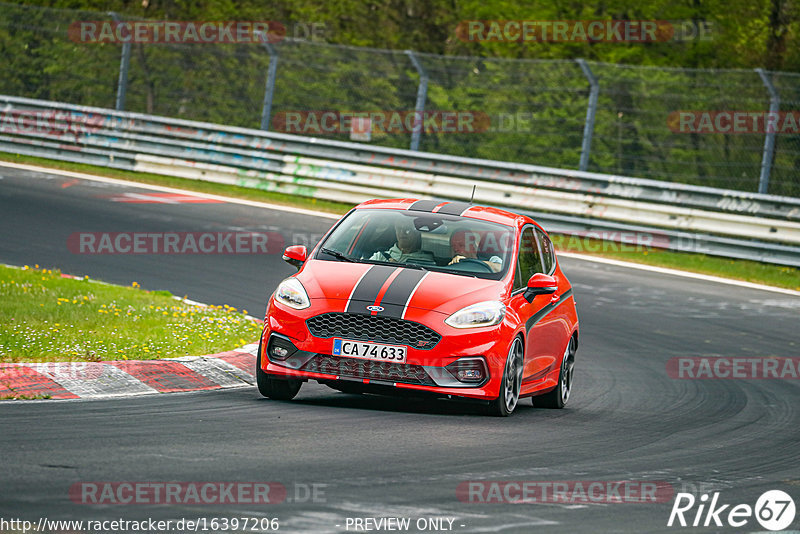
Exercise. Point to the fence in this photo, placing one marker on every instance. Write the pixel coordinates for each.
(679, 217)
(539, 109)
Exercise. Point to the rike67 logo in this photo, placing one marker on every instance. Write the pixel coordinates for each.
(774, 510)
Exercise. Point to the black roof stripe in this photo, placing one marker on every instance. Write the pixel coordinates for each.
(424, 205)
(455, 208)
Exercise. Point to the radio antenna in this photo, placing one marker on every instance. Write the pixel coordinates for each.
(473, 193)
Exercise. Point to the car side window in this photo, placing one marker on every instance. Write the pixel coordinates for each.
(548, 254)
(530, 261)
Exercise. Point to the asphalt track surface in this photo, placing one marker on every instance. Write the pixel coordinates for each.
(380, 457)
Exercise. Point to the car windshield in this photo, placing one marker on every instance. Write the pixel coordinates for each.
(431, 241)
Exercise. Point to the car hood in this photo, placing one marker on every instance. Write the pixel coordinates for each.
(352, 287)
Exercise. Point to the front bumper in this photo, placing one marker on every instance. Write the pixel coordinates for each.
(425, 370)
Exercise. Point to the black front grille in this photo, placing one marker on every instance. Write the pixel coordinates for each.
(357, 368)
(373, 328)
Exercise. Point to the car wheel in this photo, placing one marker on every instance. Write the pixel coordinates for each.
(273, 387)
(560, 395)
(504, 404)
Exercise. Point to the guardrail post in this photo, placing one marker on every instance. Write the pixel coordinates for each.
(769, 140)
(591, 110)
(124, 65)
(266, 108)
(422, 94)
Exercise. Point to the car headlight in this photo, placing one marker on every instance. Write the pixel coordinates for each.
(487, 313)
(292, 293)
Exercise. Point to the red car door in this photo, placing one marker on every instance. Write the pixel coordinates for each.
(543, 325)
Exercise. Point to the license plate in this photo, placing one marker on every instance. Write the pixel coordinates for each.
(369, 351)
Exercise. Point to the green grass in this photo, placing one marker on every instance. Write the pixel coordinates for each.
(45, 316)
(750, 271)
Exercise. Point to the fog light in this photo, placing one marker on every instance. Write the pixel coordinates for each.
(469, 370)
(280, 347)
(467, 375)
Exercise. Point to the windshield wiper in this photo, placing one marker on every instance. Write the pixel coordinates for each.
(336, 254)
(397, 264)
(415, 266)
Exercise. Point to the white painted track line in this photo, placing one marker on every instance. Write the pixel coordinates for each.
(677, 272)
(277, 207)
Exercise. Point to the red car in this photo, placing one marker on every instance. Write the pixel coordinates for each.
(423, 296)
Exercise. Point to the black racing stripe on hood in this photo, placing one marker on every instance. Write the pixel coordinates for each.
(368, 288)
(396, 297)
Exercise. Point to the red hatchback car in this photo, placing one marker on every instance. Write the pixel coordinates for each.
(423, 296)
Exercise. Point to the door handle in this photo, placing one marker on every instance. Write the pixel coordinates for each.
(556, 297)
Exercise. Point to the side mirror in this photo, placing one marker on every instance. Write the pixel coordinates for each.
(540, 284)
(295, 255)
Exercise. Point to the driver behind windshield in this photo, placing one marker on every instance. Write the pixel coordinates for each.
(465, 245)
(407, 249)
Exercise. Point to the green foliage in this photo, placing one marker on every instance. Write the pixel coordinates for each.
(533, 92)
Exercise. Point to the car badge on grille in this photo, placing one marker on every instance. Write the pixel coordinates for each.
(422, 343)
(374, 308)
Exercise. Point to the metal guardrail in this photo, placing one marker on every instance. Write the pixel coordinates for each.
(713, 221)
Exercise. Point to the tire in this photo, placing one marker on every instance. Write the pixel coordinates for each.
(507, 401)
(273, 387)
(558, 398)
